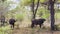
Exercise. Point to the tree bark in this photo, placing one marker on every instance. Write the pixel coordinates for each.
(52, 13)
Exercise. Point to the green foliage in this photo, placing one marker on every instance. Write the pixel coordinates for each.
(57, 15)
(19, 16)
(44, 11)
(3, 30)
(26, 2)
(43, 1)
(45, 16)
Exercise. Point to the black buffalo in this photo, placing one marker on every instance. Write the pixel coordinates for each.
(12, 22)
(3, 21)
(37, 22)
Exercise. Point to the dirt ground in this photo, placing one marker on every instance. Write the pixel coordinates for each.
(29, 30)
(33, 31)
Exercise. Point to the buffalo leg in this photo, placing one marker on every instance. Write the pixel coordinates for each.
(32, 25)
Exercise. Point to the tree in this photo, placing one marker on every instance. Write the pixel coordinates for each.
(33, 9)
(52, 13)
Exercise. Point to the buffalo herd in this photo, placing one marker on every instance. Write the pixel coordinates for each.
(33, 22)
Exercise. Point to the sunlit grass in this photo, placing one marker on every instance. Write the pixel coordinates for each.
(4, 30)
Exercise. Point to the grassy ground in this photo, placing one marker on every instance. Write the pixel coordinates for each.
(5, 30)
(27, 30)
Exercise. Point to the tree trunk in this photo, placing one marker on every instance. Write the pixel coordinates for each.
(34, 11)
(52, 13)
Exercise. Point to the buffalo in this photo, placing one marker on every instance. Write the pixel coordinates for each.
(12, 22)
(37, 22)
(2, 20)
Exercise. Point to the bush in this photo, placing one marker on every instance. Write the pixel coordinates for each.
(19, 17)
